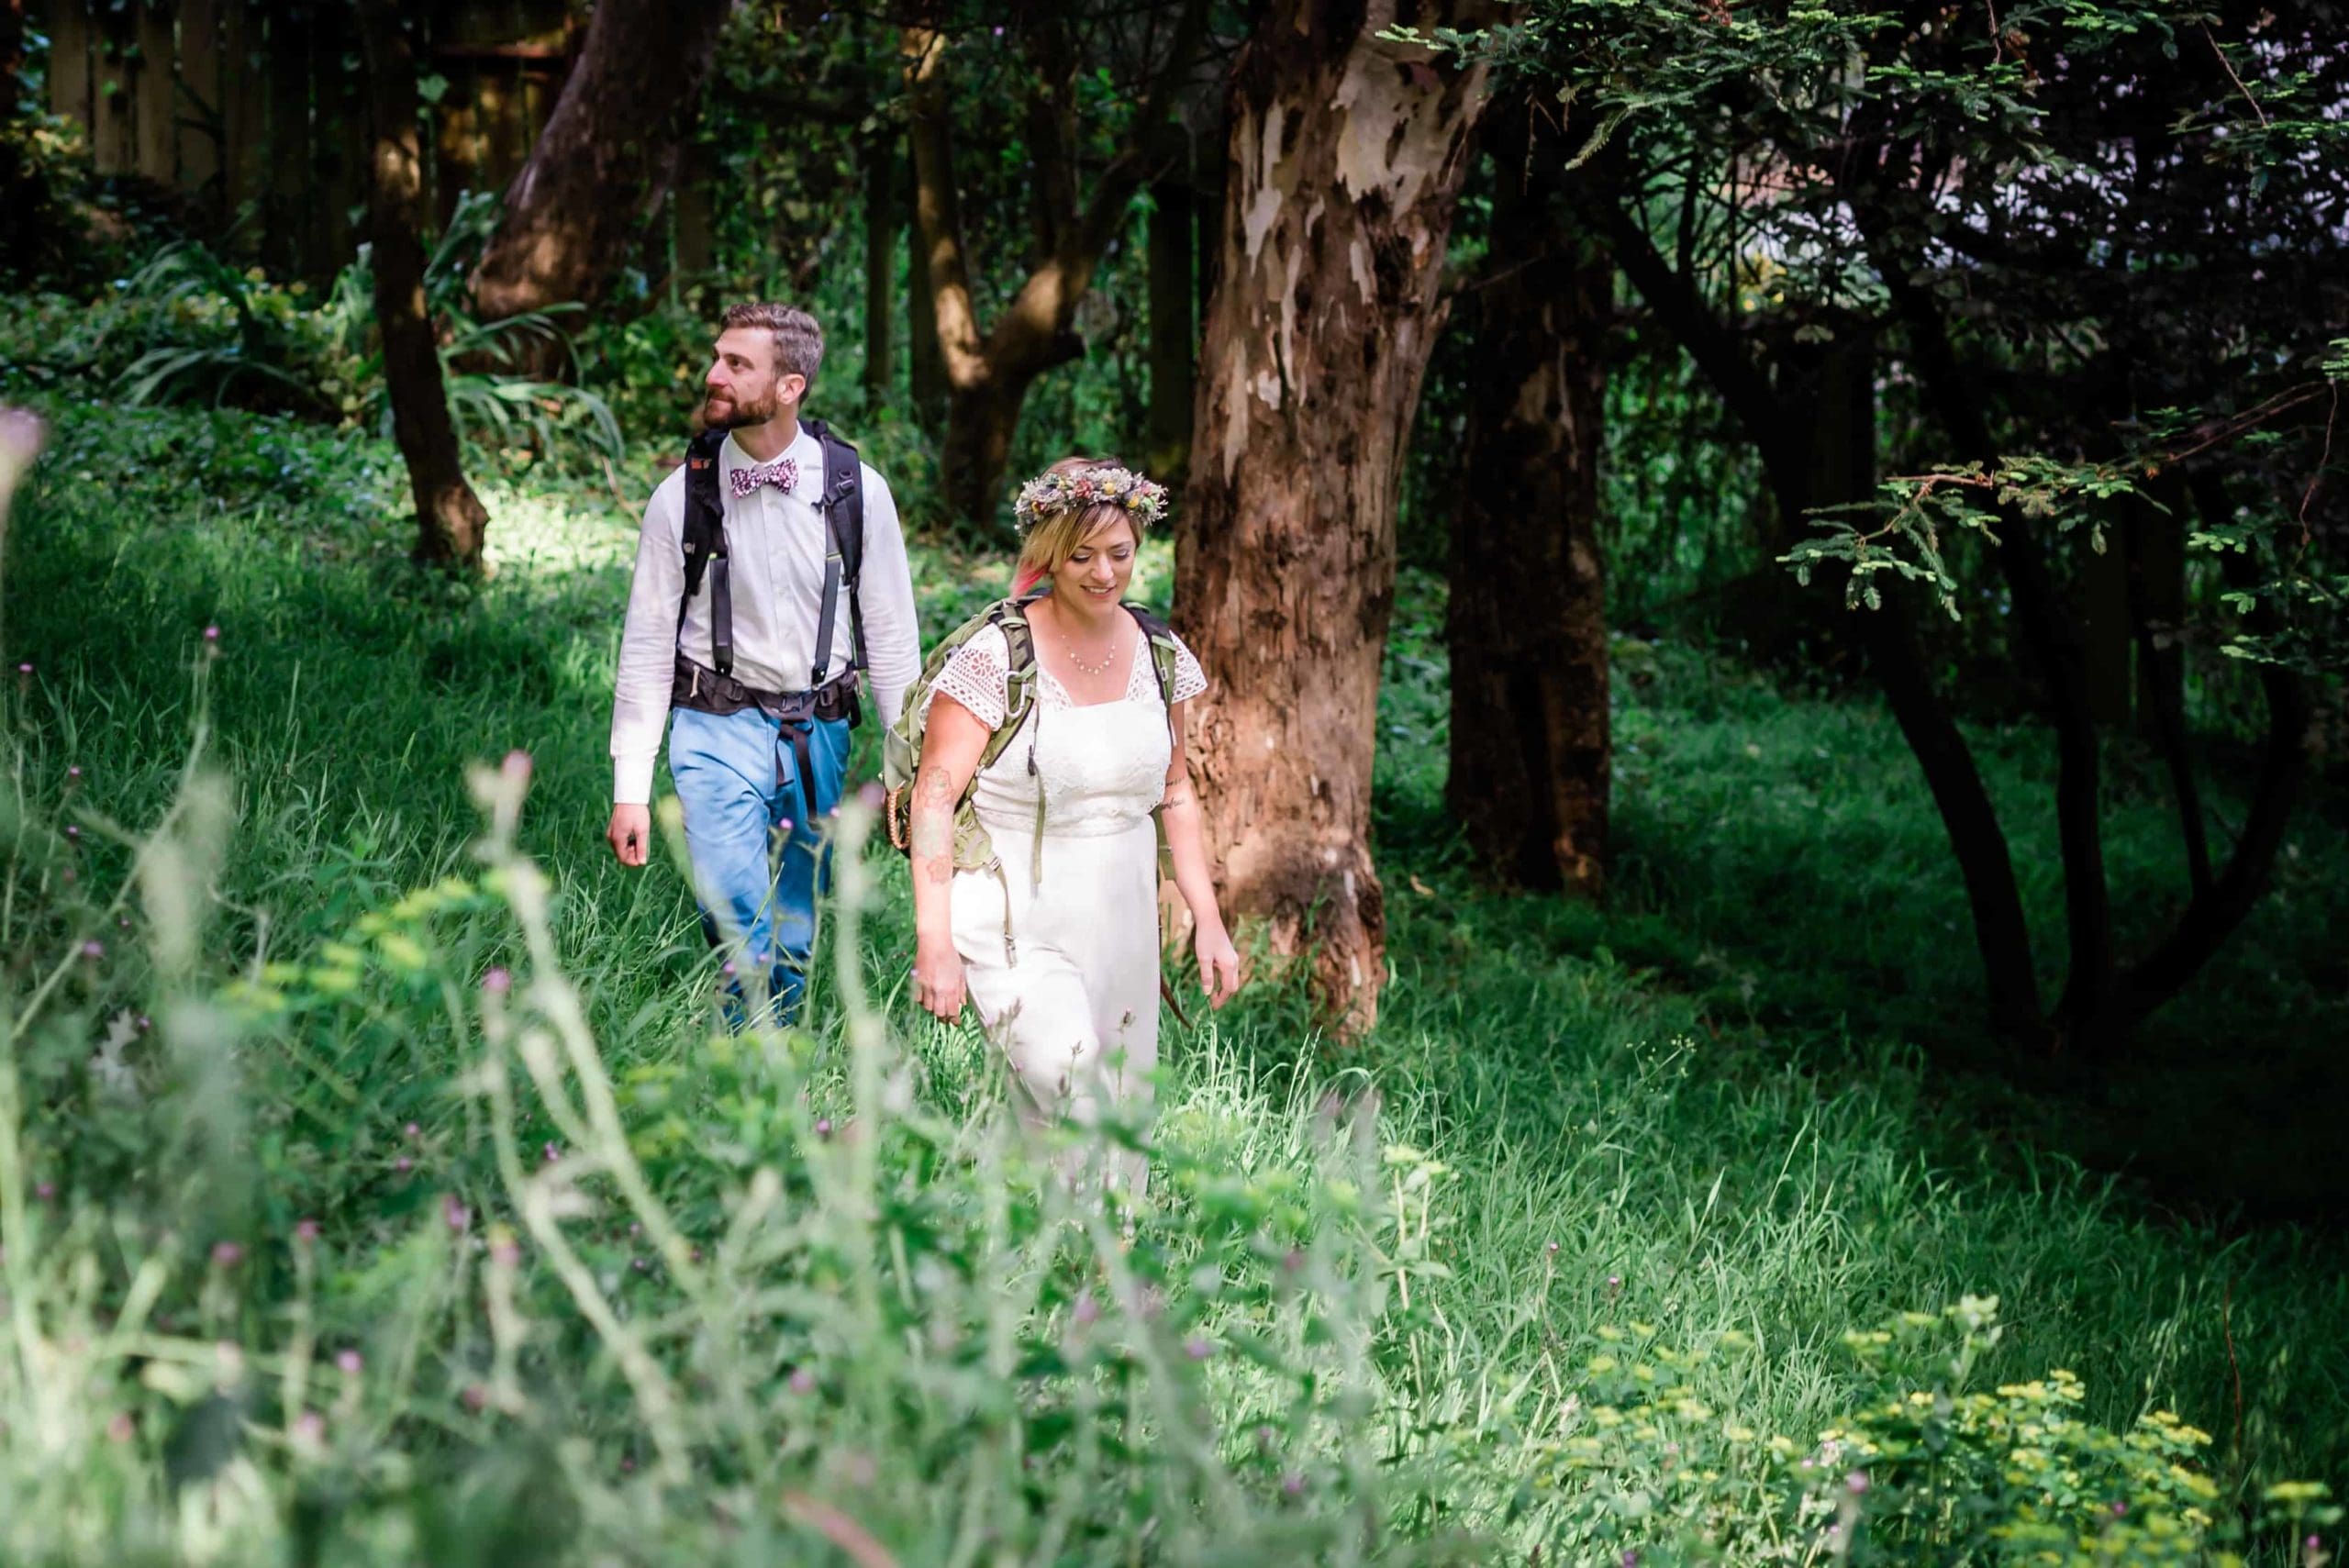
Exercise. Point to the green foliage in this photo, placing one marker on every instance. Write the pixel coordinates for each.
(1511, 1166)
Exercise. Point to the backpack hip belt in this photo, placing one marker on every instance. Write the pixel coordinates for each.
(697, 687)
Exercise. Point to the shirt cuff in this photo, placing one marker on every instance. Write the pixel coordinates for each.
(632, 778)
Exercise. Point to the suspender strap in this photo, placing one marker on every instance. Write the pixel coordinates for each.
(830, 611)
(722, 611)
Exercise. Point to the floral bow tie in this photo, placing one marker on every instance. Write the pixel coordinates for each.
(782, 474)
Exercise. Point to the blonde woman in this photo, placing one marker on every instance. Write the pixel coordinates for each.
(1055, 728)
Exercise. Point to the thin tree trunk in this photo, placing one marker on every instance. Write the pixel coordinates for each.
(1527, 621)
(17, 240)
(2153, 543)
(452, 523)
(2052, 637)
(605, 160)
(2214, 914)
(1791, 461)
(1173, 331)
(926, 380)
(989, 370)
(1347, 156)
(880, 264)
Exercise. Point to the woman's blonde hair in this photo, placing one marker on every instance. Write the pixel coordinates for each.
(1056, 535)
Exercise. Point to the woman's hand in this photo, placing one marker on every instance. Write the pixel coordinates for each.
(938, 979)
(1219, 963)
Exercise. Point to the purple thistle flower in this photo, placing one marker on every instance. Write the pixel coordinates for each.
(402, 1164)
(497, 981)
(227, 1254)
(1198, 1348)
(1857, 1483)
(801, 1381)
(823, 1126)
(348, 1362)
(552, 1152)
(305, 1232)
(457, 1215)
(1086, 1311)
(1293, 1483)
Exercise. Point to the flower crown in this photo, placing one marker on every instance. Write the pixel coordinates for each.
(1048, 494)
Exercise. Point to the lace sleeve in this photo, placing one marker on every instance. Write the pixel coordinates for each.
(975, 677)
(1189, 679)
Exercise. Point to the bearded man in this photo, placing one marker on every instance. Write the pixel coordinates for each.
(771, 569)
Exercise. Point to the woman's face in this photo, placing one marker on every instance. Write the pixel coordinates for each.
(1099, 569)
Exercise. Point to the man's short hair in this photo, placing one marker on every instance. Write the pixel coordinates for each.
(798, 341)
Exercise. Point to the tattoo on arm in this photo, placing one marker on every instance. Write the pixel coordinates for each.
(933, 825)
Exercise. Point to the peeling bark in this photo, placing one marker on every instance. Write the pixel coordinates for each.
(1347, 157)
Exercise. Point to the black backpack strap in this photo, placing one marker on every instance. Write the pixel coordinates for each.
(704, 547)
(842, 509)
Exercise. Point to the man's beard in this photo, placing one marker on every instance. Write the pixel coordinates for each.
(738, 415)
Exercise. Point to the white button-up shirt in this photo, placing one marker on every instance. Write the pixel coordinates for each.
(775, 545)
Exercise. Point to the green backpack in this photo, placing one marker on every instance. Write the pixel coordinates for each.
(901, 743)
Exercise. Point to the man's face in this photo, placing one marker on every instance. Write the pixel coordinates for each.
(743, 386)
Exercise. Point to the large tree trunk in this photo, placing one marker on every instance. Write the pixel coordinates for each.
(1527, 625)
(989, 370)
(450, 520)
(1347, 154)
(605, 160)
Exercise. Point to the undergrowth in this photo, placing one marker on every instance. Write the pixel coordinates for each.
(375, 1188)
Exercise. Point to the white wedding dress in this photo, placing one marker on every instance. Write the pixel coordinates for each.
(1069, 989)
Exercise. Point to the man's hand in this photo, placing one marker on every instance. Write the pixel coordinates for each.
(631, 833)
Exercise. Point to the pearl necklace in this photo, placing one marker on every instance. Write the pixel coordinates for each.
(1082, 668)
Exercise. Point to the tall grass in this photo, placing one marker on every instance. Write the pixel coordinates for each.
(380, 1192)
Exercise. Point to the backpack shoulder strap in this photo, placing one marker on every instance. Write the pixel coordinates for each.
(704, 541)
(842, 507)
(705, 527)
(1163, 650)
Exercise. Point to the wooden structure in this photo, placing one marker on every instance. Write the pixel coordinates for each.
(251, 112)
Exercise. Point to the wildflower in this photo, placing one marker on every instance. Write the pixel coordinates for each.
(458, 1215)
(305, 1232)
(1086, 1310)
(121, 1428)
(402, 1164)
(93, 949)
(413, 1130)
(517, 766)
(476, 1396)
(1197, 1348)
(552, 1151)
(74, 773)
(227, 1254)
(348, 1362)
(1551, 1249)
(801, 1381)
(497, 981)
(310, 1427)
(1263, 1440)
(1293, 1483)
(823, 1126)
(1857, 1483)
(212, 635)
(73, 830)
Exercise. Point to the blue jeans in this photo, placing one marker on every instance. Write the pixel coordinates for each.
(738, 780)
